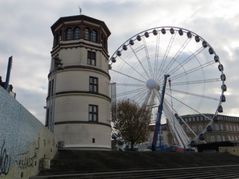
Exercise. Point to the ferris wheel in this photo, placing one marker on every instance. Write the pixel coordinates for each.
(176, 67)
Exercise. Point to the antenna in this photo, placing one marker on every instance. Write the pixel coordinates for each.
(9, 66)
(80, 10)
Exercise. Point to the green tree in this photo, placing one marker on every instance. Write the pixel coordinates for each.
(132, 122)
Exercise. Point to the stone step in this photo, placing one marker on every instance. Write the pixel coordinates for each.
(222, 171)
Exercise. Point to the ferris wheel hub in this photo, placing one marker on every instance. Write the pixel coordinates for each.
(152, 84)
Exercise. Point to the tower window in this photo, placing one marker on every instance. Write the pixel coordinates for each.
(91, 58)
(87, 34)
(56, 39)
(93, 84)
(51, 88)
(69, 34)
(94, 36)
(76, 33)
(93, 113)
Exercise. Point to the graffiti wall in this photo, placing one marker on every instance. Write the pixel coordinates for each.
(24, 142)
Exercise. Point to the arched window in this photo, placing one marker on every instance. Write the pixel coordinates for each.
(69, 34)
(87, 34)
(94, 36)
(76, 33)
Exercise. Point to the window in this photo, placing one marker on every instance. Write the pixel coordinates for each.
(93, 84)
(212, 138)
(69, 34)
(218, 138)
(94, 36)
(77, 33)
(227, 127)
(56, 39)
(87, 34)
(93, 112)
(222, 128)
(47, 117)
(216, 127)
(91, 58)
(51, 88)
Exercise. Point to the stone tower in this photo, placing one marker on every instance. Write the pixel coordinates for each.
(78, 102)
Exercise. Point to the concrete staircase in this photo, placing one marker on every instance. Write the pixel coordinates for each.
(139, 165)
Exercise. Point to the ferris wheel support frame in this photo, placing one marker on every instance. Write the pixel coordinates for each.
(159, 115)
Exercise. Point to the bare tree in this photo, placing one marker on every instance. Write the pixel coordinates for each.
(132, 122)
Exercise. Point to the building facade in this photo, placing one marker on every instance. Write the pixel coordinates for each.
(223, 132)
(78, 102)
(224, 128)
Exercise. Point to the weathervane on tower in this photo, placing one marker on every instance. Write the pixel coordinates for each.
(80, 10)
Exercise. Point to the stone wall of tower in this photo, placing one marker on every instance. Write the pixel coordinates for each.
(70, 97)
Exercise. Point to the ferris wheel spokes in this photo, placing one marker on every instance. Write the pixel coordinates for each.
(191, 108)
(156, 57)
(193, 94)
(131, 84)
(128, 76)
(150, 69)
(134, 69)
(175, 57)
(195, 82)
(163, 63)
(125, 93)
(139, 61)
(195, 69)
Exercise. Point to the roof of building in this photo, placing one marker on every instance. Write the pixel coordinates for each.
(218, 117)
(79, 17)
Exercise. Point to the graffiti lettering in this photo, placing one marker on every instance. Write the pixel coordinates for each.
(26, 162)
(5, 160)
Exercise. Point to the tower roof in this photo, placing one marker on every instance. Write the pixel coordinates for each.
(79, 17)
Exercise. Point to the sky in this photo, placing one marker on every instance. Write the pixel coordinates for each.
(26, 35)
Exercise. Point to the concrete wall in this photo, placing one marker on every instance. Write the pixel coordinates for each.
(84, 136)
(75, 108)
(24, 141)
(78, 56)
(78, 80)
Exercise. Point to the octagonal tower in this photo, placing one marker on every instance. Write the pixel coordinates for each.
(78, 102)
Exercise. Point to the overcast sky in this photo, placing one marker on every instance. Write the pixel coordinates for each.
(25, 34)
